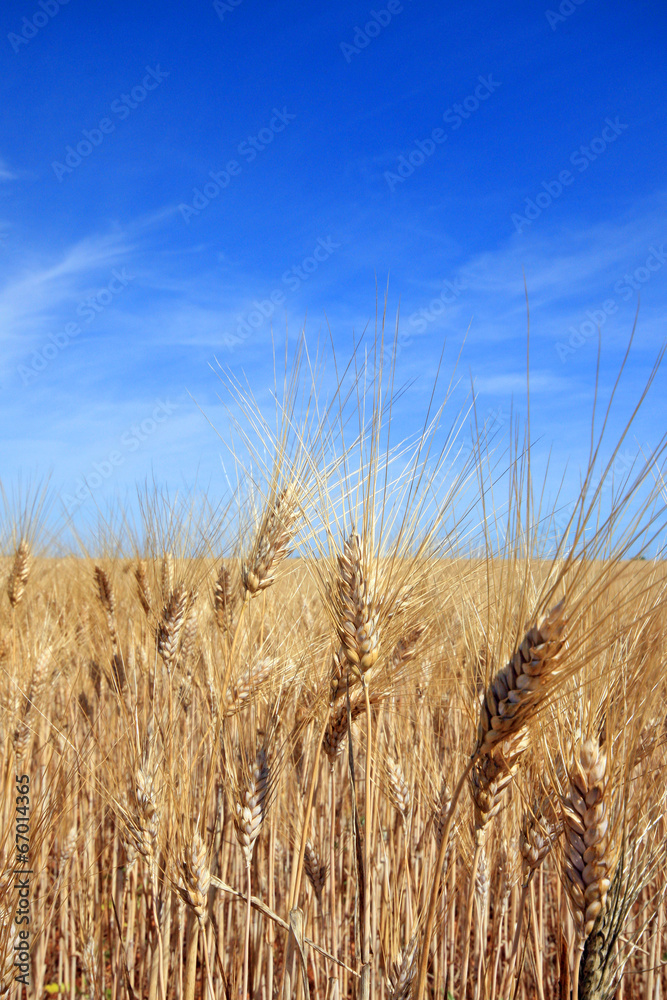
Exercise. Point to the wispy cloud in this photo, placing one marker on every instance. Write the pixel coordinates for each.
(43, 291)
(159, 339)
(6, 173)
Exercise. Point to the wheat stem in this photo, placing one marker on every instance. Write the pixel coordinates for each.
(435, 885)
(468, 918)
(297, 870)
(366, 943)
(246, 945)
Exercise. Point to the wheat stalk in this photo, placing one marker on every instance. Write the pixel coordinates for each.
(509, 704)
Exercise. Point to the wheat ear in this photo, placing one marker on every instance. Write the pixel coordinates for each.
(196, 878)
(223, 601)
(336, 728)
(247, 684)
(18, 577)
(536, 838)
(316, 872)
(147, 821)
(108, 602)
(402, 973)
(144, 591)
(167, 574)
(356, 622)
(272, 542)
(514, 693)
(38, 681)
(250, 808)
(169, 629)
(397, 788)
(491, 778)
(587, 863)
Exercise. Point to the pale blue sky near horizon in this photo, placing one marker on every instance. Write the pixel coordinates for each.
(178, 185)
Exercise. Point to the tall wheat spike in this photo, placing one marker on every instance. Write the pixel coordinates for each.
(272, 542)
(251, 806)
(402, 973)
(536, 839)
(514, 693)
(586, 823)
(587, 861)
(146, 825)
(315, 870)
(356, 625)
(108, 602)
(144, 590)
(18, 577)
(223, 600)
(491, 778)
(336, 729)
(169, 628)
(196, 877)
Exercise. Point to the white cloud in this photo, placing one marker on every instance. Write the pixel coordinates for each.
(6, 173)
(159, 337)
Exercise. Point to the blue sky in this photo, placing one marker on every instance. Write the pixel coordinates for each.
(177, 181)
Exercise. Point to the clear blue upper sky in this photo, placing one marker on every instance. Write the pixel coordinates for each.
(177, 179)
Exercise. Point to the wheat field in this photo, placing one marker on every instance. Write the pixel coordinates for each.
(354, 751)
